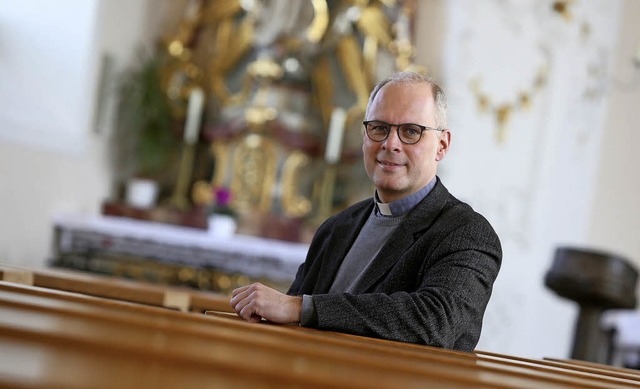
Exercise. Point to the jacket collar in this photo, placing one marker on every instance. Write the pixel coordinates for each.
(418, 220)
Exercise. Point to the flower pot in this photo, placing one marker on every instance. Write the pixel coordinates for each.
(142, 193)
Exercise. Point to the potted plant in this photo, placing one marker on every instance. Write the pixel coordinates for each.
(144, 141)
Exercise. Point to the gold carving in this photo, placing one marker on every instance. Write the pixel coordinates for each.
(294, 204)
(318, 26)
(374, 23)
(231, 44)
(265, 68)
(323, 87)
(202, 193)
(220, 153)
(353, 67)
(254, 171)
(502, 112)
(248, 54)
(561, 7)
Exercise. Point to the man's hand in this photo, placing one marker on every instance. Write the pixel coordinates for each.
(256, 301)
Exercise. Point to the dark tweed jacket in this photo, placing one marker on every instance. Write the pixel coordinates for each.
(429, 284)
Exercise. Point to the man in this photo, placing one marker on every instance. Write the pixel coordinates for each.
(413, 264)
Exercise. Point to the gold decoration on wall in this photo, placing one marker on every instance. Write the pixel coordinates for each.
(503, 111)
(562, 7)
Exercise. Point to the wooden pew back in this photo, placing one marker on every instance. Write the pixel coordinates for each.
(126, 331)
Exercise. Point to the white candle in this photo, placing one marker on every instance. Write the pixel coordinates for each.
(194, 116)
(334, 140)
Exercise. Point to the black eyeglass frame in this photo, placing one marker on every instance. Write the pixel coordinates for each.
(390, 125)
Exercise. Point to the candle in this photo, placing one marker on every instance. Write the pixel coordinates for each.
(334, 140)
(194, 115)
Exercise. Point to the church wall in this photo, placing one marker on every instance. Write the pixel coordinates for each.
(54, 156)
(531, 165)
(614, 220)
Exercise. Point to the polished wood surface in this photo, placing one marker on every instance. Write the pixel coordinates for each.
(118, 289)
(56, 338)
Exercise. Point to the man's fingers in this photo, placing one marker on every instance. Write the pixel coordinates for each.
(256, 302)
(241, 301)
(241, 289)
(240, 294)
(249, 314)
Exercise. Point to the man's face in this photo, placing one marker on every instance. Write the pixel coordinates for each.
(399, 169)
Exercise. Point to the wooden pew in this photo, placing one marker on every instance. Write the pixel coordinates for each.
(40, 316)
(459, 372)
(387, 362)
(118, 289)
(577, 366)
(598, 367)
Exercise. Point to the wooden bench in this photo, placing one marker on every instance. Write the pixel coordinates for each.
(255, 354)
(233, 344)
(118, 289)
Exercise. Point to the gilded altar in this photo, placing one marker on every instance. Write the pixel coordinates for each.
(285, 87)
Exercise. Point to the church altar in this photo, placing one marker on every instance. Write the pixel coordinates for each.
(172, 255)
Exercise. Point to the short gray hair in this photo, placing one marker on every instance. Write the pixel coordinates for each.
(440, 99)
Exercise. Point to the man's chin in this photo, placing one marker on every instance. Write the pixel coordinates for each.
(393, 191)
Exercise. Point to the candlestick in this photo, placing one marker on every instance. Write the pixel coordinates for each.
(327, 188)
(179, 197)
(194, 116)
(334, 139)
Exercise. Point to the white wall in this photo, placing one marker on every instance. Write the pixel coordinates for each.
(541, 186)
(53, 157)
(615, 216)
(47, 65)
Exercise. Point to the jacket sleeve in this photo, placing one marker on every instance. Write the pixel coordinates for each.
(445, 305)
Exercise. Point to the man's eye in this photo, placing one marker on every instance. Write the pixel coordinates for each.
(411, 131)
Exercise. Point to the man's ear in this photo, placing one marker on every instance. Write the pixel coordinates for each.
(443, 144)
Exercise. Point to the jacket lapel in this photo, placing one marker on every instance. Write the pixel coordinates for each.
(417, 221)
(342, 237)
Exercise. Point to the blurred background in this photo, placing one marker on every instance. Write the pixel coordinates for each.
(202, 142)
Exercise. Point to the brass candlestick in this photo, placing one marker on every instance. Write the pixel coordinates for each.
(325, 204)
(179, 197)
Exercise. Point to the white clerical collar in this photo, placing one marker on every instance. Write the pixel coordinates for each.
(384, 208)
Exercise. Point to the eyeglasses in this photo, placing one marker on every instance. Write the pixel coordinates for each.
(409, 133)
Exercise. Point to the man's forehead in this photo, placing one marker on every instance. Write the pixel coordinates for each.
(422, 88)
(392, 94)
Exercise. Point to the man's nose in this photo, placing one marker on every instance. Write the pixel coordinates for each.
(393, 141)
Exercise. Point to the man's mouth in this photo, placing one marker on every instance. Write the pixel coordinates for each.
(389, 163)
